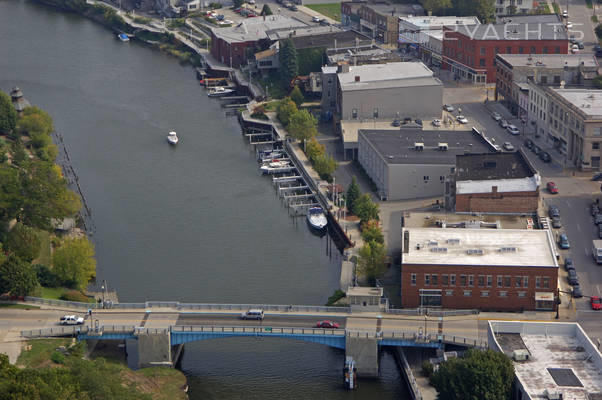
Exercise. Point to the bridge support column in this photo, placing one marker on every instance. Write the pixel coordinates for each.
(365, 353)
(154, 349)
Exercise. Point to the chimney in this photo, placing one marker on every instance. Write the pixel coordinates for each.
(406, 241)
(494, 189)
(357, 78)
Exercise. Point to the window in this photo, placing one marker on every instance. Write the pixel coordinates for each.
(520, 49)
(518, 281)
(462, 280)
(544, 80)
(375, 113)
(595, 145)
(435, 279)
(525, 281)
(503, 293)
(441, 178)
(467, 293)
(489, 280)
(508, 50)
(481, 280)
(557, 50)
(426, 178)
(521, 294)
(484, 293)
(499, 281)
(413, 278)
(427, 279)
(445, 280)
(481, 62)
(354, 113)
(545, 50)
(537, 282)
(507, 281)
(546, 283)
(532, 49)
(452, 280)
(482, 50)
(497, 49)
(557, 79)
(449, 292)
(470, 280)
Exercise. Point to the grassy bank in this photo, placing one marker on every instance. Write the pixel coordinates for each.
(331, 10)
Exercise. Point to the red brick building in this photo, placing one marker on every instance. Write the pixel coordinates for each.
(494, 183)
(486, 269)
(469, 51)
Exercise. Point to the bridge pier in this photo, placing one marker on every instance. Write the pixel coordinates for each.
(364, 351)
(154, 349)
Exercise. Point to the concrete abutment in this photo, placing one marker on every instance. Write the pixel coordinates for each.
(365, 353)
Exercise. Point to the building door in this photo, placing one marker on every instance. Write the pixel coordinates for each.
(430, 297)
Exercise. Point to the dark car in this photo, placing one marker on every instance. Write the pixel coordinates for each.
(327, 325)
(594, 209)
(580, 44)
(324, 22)
(553, 211)
(563, 241)
(573, 279)
(545, 157)
(418, 121)
(294, 8)
(535, 149)
(407, 120)
(598, 219)
(598, 50)
(600, 231)
(568, 264)
(597, 177)
(528, 143)
(556, 223)
(396, 122)
(577, 292)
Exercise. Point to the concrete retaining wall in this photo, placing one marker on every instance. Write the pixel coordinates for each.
(365, 353)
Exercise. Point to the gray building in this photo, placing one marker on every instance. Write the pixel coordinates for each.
(381, 91)
(410, 163)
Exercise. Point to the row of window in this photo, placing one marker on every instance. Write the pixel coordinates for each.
(485, 293)
(451, 52)
(482, 280)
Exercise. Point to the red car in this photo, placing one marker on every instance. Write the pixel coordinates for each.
(552, 188)
(327, 325)
(596, 303)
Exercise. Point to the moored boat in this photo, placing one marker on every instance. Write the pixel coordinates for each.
(316, 218)
(123, 37)
(219, 91)
(172, 138)
(274, 164)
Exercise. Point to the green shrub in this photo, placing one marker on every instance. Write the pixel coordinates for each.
(338, 294)
(57, 357)
(142, 20)
(46, 277)
(594, 18)
(74, 295)
(427, 368)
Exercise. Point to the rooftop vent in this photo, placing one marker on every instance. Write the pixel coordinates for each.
(443, 146)
(453, 241)
(357, 78)
(475, 252)
(433, 243)
(508, 249)
(439, 249)
(520, 355)
(489, 164)
(418, 146)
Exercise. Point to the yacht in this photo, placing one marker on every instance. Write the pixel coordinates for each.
(316, 218)
(123, 37)
(274, 164)
(172, 138)
(219, 91)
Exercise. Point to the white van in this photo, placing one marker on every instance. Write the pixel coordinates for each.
(252, 314)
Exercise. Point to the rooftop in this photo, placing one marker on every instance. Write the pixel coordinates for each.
(491, 247)
(395, 74)
(437, 147)
(562, 358)
(493, 166)
(531, 27)
(253, 29)
(363, 52)
(396, 9)
(549, 60)
(434, 22)
(320, 36)
(588, 101)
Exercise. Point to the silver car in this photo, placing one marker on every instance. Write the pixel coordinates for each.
(513, 130)
(496, 116)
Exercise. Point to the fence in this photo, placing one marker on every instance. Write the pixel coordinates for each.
(431, 312)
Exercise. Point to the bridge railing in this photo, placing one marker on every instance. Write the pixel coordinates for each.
(431, 312)
(62, 303)
(257, 329)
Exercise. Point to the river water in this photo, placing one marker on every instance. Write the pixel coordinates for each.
(195, 223)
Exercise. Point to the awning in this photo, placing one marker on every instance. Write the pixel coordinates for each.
(544, 296)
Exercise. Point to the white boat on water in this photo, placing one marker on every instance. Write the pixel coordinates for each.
(123, 37)
(316, 218)
(172, 138)
(274, 165)
(219, 91)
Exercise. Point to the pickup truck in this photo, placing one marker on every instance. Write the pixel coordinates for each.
(71, 320)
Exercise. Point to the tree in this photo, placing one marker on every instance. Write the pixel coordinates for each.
(289, 65)
(266, 10)
(511, 10)
(325, 166)
(598, 82)
(313, 149)
(437, 7)
(285, 110)
(74, 262)
(353, 193)
(302, 125)
(297, 96)
(17, 277)
(35, 121)
(479, 375)
(10, 194)
(371, 261)
(8, 115)
(371, 232)
(23, 241)
(598, 35)
(365, 208)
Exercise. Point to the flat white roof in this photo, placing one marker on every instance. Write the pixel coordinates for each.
(528, 184)
(435, 22)
(395, 74)
(589, 101)
(495, 247)
(252, 29)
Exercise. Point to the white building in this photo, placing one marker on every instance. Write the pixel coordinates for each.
(509, 7)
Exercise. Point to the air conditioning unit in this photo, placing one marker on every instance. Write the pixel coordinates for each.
(520, 355)
(552, 395)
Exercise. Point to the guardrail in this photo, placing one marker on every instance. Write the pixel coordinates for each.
(258, 329)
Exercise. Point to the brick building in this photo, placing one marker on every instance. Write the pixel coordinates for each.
(470, 50)
(487, 269)
(494, 183)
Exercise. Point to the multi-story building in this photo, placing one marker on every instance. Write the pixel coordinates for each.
(513, 71)
(470, 51)
(487, 269)
(378, 20)
(571, 120)
(493, 183)
(409, 163)
(414, 32)
(511, 7)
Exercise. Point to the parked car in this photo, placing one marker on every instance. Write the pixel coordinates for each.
(418, 121)
(552, 188)
(598, 50)
(596, 303)
(568, 264)
(496, 116)
(600, 231)
(324, 22)
(462, 119)
(597, 177)
(577, 292)
(556, 223)
(448, 108)
(535, 149)
(71, 320)
(575, 48)
(294, 8)
(327, 325)
(598, 219)
(563, 241)
(565, 14)
(593, 209)
(251, 1)
(528, 143)
(396, 122)
(503, 123)
(315, 18)
(580, 45)
(508, 146)
(569, 25)
(544, 156)
(407, 120)
(436, 122)
(513, 130)
(572, 278)
(553, 211)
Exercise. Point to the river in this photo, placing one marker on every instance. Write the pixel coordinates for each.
(195, 223)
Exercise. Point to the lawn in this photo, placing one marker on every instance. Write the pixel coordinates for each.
(39, 353)
(53, 292)
(44, 256)
(331, 10)
(19, 306)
